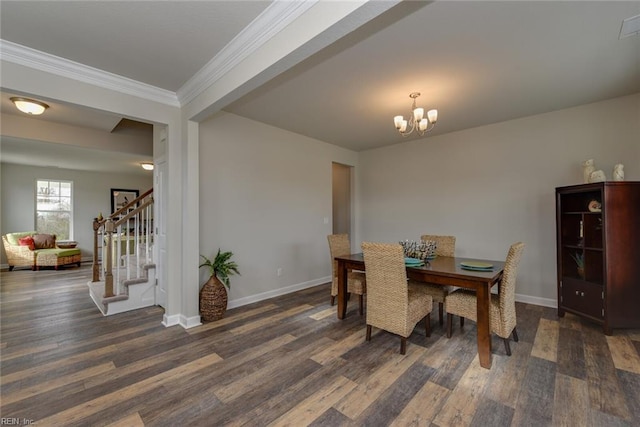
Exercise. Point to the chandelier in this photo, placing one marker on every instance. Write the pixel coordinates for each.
(416, 121)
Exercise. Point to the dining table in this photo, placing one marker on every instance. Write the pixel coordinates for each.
(444, 271)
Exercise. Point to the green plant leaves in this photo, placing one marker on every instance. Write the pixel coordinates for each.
(221, 266)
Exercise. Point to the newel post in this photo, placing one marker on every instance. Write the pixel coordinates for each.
(108, 275)
(96, 268)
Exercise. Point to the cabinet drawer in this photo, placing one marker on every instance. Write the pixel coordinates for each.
(582, 297)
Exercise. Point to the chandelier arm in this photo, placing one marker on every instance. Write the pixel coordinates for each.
(428, 129)
(405, 134)
(410, 123)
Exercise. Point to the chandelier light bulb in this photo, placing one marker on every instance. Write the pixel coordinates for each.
(418, 114)
(397, 121)
(432, 115)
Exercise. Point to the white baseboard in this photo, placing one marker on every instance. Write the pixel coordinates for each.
(190, 322)
(277, 292)
(544, 302)
(173, 320)
(182, 320)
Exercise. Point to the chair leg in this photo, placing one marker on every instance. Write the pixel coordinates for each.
(441, 313)
(507, 348)
(333, 300)
(361, 305)
(515, 335)
(368, 333)
(449, 322)
(461, 322)
(403, 345)
(427, 325)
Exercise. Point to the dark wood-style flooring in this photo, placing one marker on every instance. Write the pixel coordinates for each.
(289, 361)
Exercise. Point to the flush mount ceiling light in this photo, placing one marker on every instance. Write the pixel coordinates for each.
(416, 121)
(148, 166)
(29, 106)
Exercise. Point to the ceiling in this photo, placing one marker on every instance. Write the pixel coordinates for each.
(161, 43)
(476, 62)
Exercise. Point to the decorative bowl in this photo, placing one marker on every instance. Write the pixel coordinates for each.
(424, 249)
(66, 244)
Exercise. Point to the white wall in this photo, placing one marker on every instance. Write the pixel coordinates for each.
(91, 193)
(495, 185)
(264, 195)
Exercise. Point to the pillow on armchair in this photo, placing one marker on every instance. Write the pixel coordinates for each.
(27, 241)
(44, 241)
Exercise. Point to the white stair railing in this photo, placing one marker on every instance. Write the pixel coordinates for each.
(127, 237)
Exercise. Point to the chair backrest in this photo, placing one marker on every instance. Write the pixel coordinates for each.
(508, 283)
(339, 245)
(445, 245)
(387, 289)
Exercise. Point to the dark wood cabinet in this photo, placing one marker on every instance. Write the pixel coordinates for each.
(598, 252)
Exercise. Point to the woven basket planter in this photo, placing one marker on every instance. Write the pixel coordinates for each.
(213, 300)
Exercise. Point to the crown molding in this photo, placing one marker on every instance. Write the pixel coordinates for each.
(22, 55)
(270, 22)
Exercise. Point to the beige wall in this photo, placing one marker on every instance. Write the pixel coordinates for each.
(91, 194)
(265, 194)
(494, 185)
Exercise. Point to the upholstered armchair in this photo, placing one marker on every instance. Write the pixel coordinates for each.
(19, 255)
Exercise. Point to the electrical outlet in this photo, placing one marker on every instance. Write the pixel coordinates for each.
(279, 271)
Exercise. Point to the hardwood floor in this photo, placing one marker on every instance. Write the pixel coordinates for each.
(289, 361)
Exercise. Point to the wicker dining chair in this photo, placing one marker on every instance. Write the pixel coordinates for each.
(392, 304)
(502, 312)
(445, 246)
(356, 281)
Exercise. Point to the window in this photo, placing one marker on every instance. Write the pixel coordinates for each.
(54, 201)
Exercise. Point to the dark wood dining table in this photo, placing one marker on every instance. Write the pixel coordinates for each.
(440, 271)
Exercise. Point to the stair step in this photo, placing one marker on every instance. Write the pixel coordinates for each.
(97, 292)
(128, 282)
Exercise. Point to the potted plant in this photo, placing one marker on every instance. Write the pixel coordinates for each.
(579, 259)
(213, 295)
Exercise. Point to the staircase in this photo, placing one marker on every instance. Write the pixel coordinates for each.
(124, 277)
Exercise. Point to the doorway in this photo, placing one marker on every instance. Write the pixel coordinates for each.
(341, 194)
